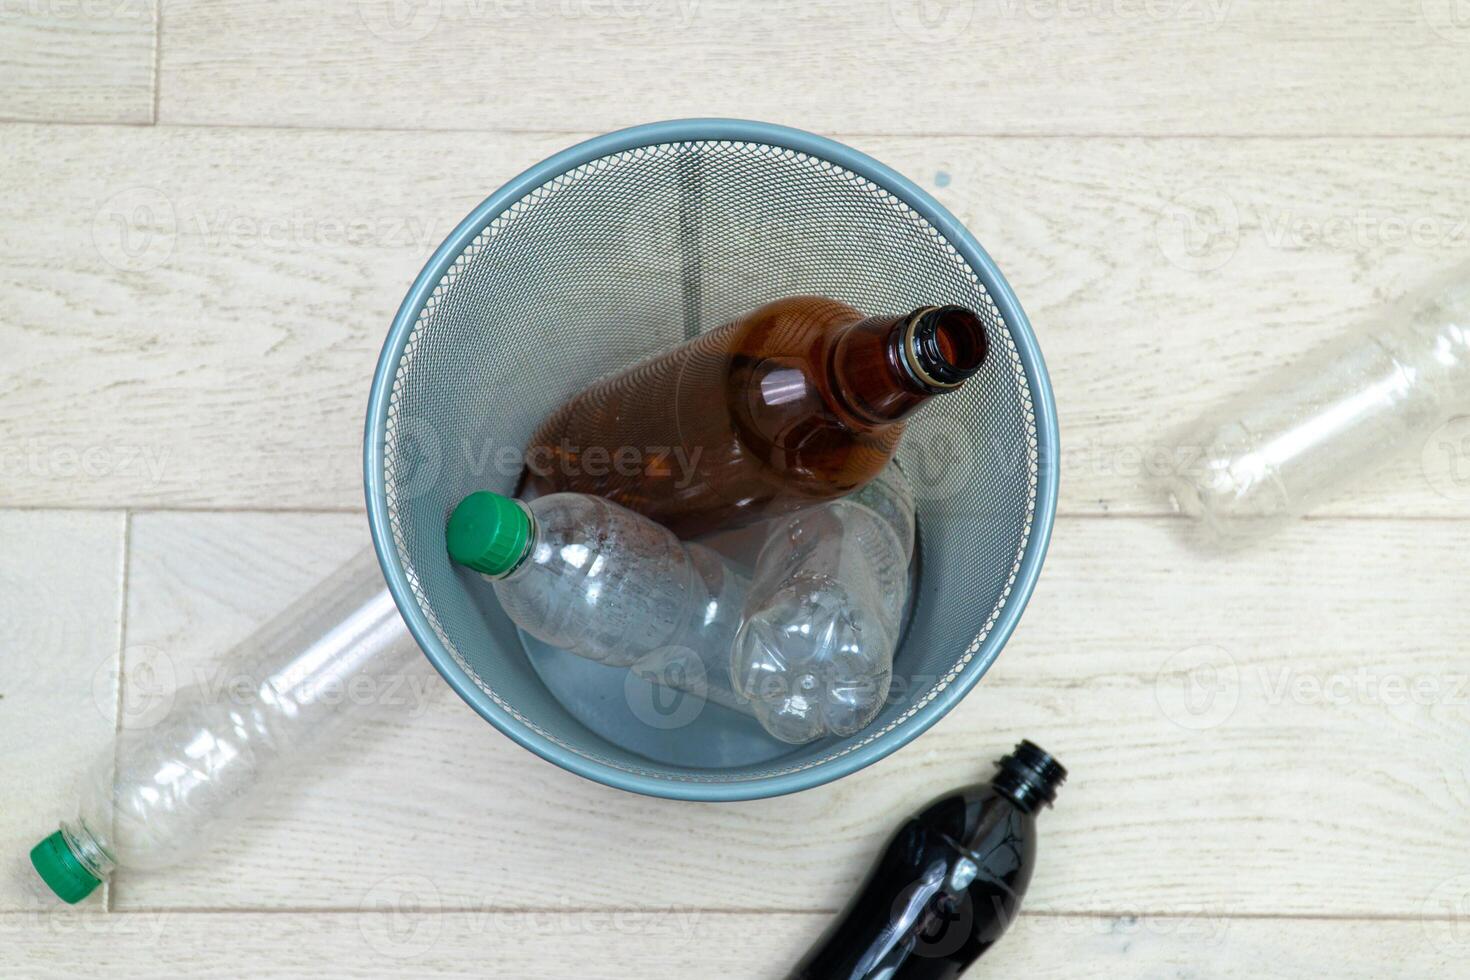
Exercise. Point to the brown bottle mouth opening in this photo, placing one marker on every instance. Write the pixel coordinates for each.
(945, 345)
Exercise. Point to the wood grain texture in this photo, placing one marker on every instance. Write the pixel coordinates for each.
(1273, 734)
(77, 61)
(60, 579)
(409, 940)
(878, 66)
(193, 314)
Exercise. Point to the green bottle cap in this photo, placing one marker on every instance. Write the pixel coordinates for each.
(488, 532)
(60, 869)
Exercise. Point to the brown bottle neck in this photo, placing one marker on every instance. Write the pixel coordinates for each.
(885, 367)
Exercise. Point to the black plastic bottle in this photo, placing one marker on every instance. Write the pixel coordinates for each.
(949, 883)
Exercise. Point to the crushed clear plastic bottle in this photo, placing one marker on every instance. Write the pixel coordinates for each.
(329, 661)
(814, 655)
(591, 577)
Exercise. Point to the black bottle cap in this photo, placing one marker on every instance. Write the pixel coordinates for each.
(1029, 777)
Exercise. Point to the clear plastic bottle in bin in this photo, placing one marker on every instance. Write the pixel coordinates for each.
(814, 655)
(591, 577)
(1296, 438)
(167, 789)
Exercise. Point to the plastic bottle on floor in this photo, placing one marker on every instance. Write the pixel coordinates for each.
(949, 883)
(335, 657)
(1311, 428)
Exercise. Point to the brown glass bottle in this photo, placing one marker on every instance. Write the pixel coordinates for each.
(802, 400)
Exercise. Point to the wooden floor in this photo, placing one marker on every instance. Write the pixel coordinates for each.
(211, 211)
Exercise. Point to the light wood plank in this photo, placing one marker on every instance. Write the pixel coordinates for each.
(160, 302)
(884, 66)
(60, 599)
(1283, 804)
(78, 61)
(558, 944)
(194, 315)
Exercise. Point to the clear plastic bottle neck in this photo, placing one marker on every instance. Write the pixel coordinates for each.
(88, 848)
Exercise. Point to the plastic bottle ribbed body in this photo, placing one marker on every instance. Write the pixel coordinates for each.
(610, 585)
(815, 654)
(1305, 431)
(333, 658)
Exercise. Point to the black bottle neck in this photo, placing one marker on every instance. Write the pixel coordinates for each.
(1029, 777)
